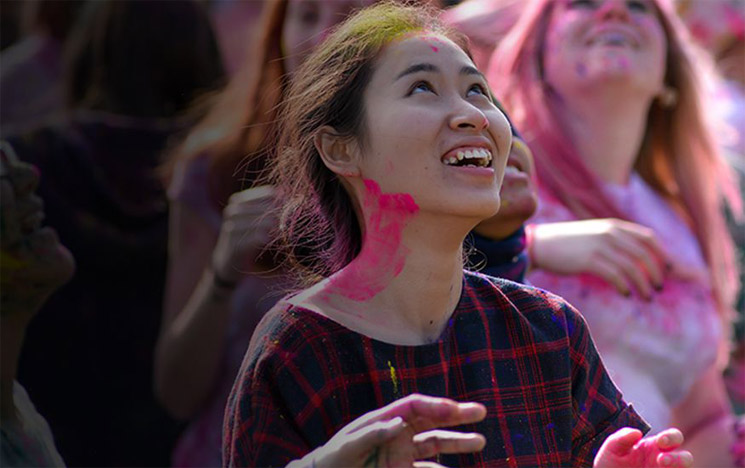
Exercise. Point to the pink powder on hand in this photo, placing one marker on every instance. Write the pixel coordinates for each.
(382, 256)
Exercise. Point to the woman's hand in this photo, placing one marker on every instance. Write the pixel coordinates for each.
(626, 448)
(399, 434)
(33, 263)
(247, 224)
(623, 253)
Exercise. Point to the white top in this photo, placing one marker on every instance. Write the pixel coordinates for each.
(654, 350)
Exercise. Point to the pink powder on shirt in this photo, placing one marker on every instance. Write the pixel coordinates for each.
(382, 256)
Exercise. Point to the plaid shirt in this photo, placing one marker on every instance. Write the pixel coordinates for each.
(524, 353)
(507, 258)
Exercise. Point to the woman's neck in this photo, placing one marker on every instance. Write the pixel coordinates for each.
(408, 303)
(608, 132)
(406, 281)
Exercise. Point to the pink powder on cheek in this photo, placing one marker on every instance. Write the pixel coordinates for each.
(382, 256)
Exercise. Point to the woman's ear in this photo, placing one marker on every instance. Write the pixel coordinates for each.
(340, 154)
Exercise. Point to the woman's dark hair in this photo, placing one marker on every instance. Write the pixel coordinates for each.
(142, 58)
(319, 230)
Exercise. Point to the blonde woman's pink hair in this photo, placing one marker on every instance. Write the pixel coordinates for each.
(678, 158)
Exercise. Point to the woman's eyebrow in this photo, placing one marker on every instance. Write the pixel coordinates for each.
(469, 70)
(428, 67)
(418, 67)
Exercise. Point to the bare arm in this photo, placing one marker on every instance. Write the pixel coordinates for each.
(195, 317)
(197, 306)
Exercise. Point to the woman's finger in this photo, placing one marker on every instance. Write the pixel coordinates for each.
(30, 211)
(365, 439)
(648, 237)
(431, 443)
(423, 407)
(264, 192)
(433, 413)
(248, 211)
(669, 439)
(10, 228)
(427, 464)
(638, 249)
(610, 272)
(25, 178)
(632, 271)
(680, 459)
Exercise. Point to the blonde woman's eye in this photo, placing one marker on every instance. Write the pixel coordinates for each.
(639, 6)
(581, 4)
(421, 87)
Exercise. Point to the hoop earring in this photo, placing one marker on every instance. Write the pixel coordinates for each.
(668, 97)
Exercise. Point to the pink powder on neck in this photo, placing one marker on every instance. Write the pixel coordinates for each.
(382, 256)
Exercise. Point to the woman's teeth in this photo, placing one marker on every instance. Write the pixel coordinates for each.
(476, 157)
(512, 170)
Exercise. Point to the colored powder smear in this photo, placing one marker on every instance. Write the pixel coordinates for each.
(382, 256)
(435, 42)
(394, 379)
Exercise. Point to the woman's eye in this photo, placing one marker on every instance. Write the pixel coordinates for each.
(421, 87)
(477, 88)
(638, 6)
(581, 4)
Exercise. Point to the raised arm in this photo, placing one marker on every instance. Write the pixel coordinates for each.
(204, 271)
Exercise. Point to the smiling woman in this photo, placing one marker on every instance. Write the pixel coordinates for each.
(391, 151)
(631, 185)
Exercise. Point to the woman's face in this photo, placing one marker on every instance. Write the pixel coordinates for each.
(431, 130)
(604, 42)
(518, 194)
(307, 23)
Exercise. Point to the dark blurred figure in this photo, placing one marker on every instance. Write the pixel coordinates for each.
(33, 264)
(132, 69)
(31, 69)
(10, 22)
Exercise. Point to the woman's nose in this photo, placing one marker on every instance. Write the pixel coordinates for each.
(613, 9)
(468, 116)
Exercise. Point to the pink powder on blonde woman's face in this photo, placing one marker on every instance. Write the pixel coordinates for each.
(383, 255)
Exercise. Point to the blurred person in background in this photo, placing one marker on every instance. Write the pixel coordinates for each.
(10, 23)
(608, 99)
(719, 27)
(498, 245)
(31, 68)
(33, 265)
(236, 28)
(219, 284)
(485, 22)
(132, 70)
